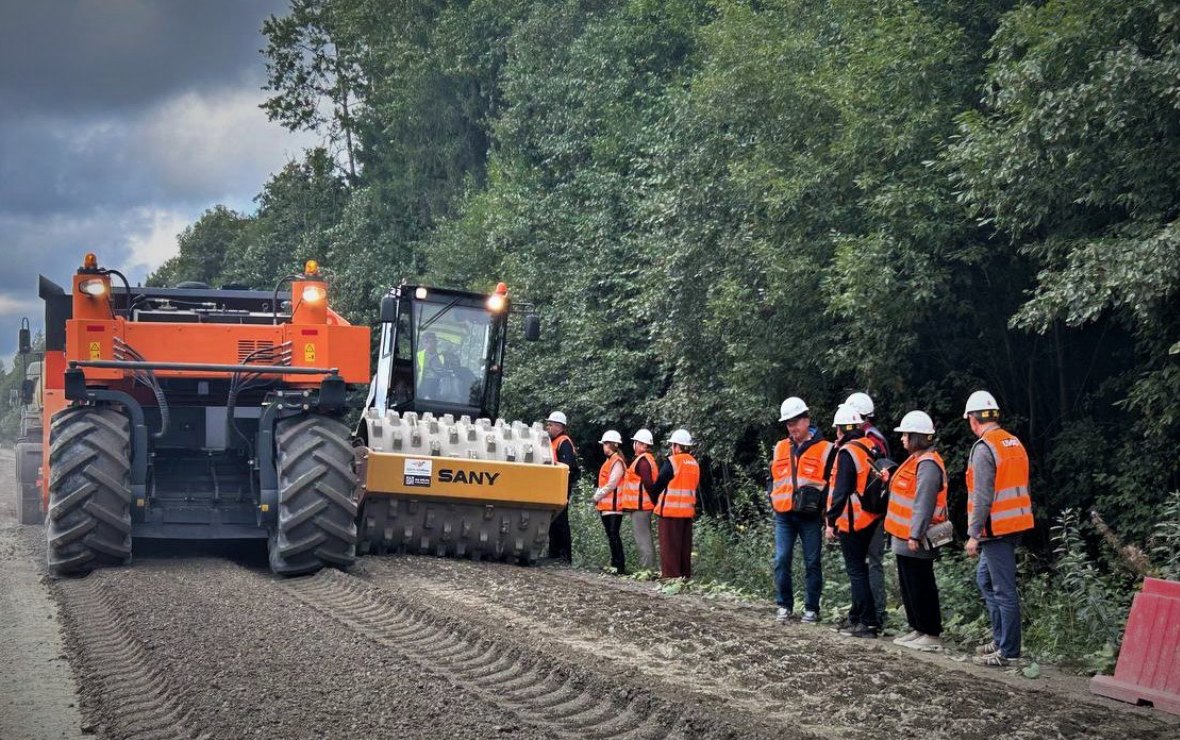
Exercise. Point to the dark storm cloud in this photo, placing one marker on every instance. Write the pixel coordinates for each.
(120, 122)
(96, 56)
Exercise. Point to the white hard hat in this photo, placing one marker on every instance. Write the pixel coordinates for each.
(918, 422)
(559, 418)
(644, 436)
(861, 402)
(846, 414)
(980, 401)
(610, 435)
(791, 408)
(681, 437)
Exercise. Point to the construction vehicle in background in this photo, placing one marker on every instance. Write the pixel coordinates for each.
(195, 413)
(441, 474)
(28, 440)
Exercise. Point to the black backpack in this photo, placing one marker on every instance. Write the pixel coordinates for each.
(875, 499)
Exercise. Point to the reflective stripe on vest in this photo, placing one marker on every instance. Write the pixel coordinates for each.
(1011, 510)
(790, 473)
(634, 496)
(852, 509)
(679, 499)
(903, 491)
(611, 501)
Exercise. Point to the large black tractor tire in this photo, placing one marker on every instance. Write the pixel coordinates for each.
(89, 489)
(316, 524)
(28, 461)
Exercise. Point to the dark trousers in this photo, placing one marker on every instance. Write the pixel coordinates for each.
(997, 582)
(561, 545)
(855, 546)
(919, 594)
(611, 523)
(675, 547)
(808, 529)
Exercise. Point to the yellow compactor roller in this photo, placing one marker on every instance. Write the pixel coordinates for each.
(440, 474)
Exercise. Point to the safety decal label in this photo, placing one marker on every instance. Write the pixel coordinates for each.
(309, 352)
(95, 351)
(417, 472)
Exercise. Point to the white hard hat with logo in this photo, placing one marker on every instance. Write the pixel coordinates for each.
(916, 422)
(861, 402)
(558, 418)
(610, 435)
(846, 415)
(792, 408)
(644, 436)
(681, 437)
(980, 401)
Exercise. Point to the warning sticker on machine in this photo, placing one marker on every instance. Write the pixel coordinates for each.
(417, 472)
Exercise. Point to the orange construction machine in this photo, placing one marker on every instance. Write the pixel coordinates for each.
(198, 413)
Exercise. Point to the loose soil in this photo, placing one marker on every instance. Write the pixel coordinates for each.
(201, 641)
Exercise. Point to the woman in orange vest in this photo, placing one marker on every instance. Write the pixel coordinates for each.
(856, 527)
(608, 497)
(999, 511)
(917, 499)
(637, 499)
(676, 503)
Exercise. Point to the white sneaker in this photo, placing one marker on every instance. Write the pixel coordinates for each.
(908, 637)
(784, 615)
(925, 644)
(810, 617)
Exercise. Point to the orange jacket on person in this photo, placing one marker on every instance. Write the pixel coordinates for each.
(853, 513)
(633, 495)
(679, 499)
(613, 500)
(790, 473)
(902, 489)
(1011, 510)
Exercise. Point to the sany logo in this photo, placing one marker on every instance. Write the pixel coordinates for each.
(446, 475)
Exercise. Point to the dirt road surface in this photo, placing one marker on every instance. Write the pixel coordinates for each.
(193, 642)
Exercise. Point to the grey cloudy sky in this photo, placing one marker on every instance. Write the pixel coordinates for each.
(120, 122)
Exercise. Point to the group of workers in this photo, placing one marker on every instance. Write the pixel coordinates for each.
(640, 489)
(850, 492)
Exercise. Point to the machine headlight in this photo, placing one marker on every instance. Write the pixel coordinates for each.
(420, 294)
(496, 302)
(94, 287)
(314, 293)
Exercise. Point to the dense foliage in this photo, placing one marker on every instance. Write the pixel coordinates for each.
(718, 203)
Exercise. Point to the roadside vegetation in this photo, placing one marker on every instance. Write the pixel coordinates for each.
(719, 203)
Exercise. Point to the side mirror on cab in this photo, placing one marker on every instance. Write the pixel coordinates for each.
(28, 387)
(532, 327)
(388, 309)
(25, 341)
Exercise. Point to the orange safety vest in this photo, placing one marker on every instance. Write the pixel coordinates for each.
(902, 492)
(679, 499)
(555, 443)
(852, 509)
(1011, 504)
(611, 501)
(791, 473)
(634, 496)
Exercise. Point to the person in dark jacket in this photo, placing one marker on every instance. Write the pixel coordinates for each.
(561, 545)
(856, 527)
(863, 403)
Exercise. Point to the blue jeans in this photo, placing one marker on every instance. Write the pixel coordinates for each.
(997, 582)
(809, 530)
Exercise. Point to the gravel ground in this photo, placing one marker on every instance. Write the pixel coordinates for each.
(37, 695)
(201, 641)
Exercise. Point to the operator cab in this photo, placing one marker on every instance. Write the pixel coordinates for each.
(442, 351)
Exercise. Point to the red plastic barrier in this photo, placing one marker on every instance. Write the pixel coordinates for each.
(1148, 670)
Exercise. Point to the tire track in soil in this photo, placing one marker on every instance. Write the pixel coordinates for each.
(797, 676)
(550, 693)
(130, 697)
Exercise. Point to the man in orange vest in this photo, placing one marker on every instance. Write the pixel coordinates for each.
(676, 502)
(560, 541)
(856, 527)
(999, 509)
(637, 499)
(798, 495)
